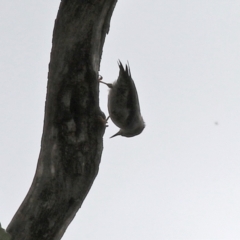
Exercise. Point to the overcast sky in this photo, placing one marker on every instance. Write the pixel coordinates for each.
(179, 179)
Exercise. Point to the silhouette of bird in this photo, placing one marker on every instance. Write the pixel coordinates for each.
(123, 104)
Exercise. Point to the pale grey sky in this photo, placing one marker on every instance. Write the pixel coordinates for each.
(179, 179)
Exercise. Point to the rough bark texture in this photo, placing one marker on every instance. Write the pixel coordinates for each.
(72, 141)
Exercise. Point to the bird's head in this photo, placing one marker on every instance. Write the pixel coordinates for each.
(131, 132)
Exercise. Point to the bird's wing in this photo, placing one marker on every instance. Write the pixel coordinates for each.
(123, 99)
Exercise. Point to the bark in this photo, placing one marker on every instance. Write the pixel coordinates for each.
(72, 139)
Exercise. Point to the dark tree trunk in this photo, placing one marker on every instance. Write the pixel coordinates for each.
(72, 141)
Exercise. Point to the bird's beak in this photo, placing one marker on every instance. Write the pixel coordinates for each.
(118, 133)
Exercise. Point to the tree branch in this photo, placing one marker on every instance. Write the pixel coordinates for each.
(72, 143)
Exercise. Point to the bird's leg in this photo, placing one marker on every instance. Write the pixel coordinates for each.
(100, 80)
(108, 84)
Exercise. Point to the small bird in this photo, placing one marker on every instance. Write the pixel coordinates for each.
(123, 104)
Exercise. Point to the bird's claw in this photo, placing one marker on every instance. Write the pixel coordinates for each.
(104, 121)
(100, 78)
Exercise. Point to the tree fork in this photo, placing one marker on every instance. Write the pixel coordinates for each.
(72, 140)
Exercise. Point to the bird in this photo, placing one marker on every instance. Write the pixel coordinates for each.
(123, 104)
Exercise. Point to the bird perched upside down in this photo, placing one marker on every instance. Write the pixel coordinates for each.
(123, 104)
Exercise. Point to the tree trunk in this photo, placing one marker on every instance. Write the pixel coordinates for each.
(72, 143)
